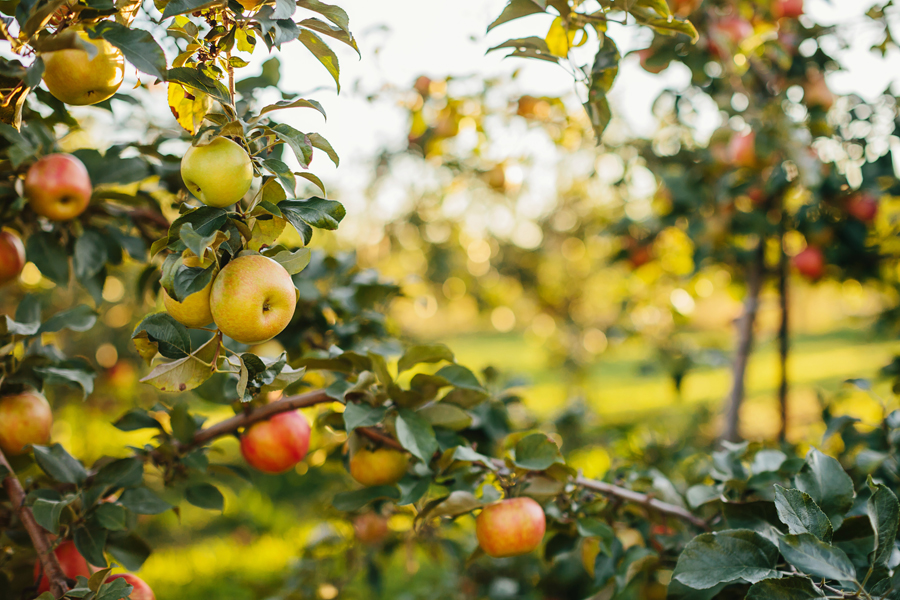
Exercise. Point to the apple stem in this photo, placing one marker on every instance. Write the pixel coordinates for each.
(49, 563)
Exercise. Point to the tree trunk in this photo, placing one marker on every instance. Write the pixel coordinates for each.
(745, 346)
(783, 341)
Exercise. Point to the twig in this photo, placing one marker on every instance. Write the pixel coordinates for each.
(49, 563)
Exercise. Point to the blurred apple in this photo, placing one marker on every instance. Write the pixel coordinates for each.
(726, 34)
(75, 78)
(12, 256)
(863, 206)
(816, 92)
(58, 187)
(684, 8)
(141, 590)
(382, 466)
(371, 528)
(219, 173)
(810, 263)
(25, 419)
(72, 563)
(646, 55)
(742, 149)
(790, 9)
(510, 527)
(278, 444)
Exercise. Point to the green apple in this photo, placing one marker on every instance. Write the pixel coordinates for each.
(12, 256)
(278, 444)
(219, 173)
(58, 187)
(383, 466)
(510, 527)
(252, 299)
(25, 419)
(194, 310)
(75, 78)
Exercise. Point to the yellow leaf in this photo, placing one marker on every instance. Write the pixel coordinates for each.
(243, 39)
(189, 110)
(557, 38)
(265, 232)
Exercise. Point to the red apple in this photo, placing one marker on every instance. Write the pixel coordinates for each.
(728, 33)
(757, 196)
(639, 256)
(510, 527)
(815, 90)
(12, 256)
(684, 8)
(810, 263)
(371, 528)
(25, 419)
(276, 445)
(790, 9)
(72, 563)
(863, 206)
(645, 55)
(742, 149)
(58, 187)
(141, 590)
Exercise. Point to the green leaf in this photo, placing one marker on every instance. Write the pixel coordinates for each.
(458, 503)
(143, 502)
(469, 455)
(430, 353)
(77, 318)
(884, 514)
(323, 53)
(196, 243)
(789, 588)
(137, 45)
(516, 9)
(170, 336)
(293, 262)
(183, 424)
(59, 464)
(824, 479)
(117, 589)
(70, 375)
(128, 549)
(298, 141)
(11, 327)
(205, 220)
(199, 83)
(416, 435)
(801, 514)
(185, 373)
(112, 516)
(812, 556)
(47, 513)
(333, 13)
(181, 7)
(594, 528)
(360, 414)
(312, 179)
(90, 254)
(296, 103)
(726, 557)
(325, 146)
(205, 495)
(90, 541)
(315, 212)
(190, 280)
(537, 452)
(446, 415)
(51, 259)
(350, 501)
(333, 32)
(412, 489)
(136, 419)
(121, 473)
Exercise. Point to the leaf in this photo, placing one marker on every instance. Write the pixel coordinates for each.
(293, 262)
(323, 53)
(137, 45)
(59, 464)
(416, 435)
(350, 501)
(824, 479)
(196, 243)
(181, 7)
(446, 415)
(333, 32)
(360, 414)
(77, 318)
(10, 327)
(190, 280)
(47, 513)
(297, 140)
(325, 146)
(726, 557)
(90, 255)
(789, 588)
(537, 452)
(516, 9)
(183, 424)
(117, 589)
(75, 372)
(431, 353)
(188, 109)
(468, 454)
(312, 179)
(335, 14)
(594, 528)
(199, 83)
(801, 514)
(143, 502)
(458, 503)
(90, 541)
(169, 335)
(112, 516)
(186, 373)
(122, 473)
(205, 495)
(51, 259)
(136, 419)
(884, 514)
(315, 212)
(128, 549)
(812, 556)
(296, 103)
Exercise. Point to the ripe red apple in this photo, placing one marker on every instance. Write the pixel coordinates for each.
(684, 8)
(815, 90)
(790, 9)
(863, 206)
(276, 445)
(25, 419)
(382, 466)
(141, 590)
(58, 187)
(12, 256)
(72, 563)
(742, 149)
(75, 78)
(371, 528)
(510, 527)
(252, 299)
(810, 263)
(645, 55)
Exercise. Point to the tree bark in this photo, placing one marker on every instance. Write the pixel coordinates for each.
(745, 346)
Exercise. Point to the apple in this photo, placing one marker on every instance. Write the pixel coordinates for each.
(72, 563)
(728, 32)
(590, 549)
(742, 149)
(219, 173)
(684, 8)
(194, 310)
(12, 256)
(422, 85)
(371, 528)
(510, 527)
(25, 419)
(141, 590)
(790, 9)
(757, 196)
(645, 55)
(810, 263)
(863, 206)
(252, 299)
(58, 187)
(382, 466)
(276, 445)
(75, 78)
(815, 90)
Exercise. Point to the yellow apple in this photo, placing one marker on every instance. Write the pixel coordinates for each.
(219, 174)
(194, 310)
(510, 527)
(252, 299)
(58, 187)
(383, 466)
(75, 78)
(25, 419)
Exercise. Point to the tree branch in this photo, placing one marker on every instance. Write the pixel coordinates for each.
(49, 563)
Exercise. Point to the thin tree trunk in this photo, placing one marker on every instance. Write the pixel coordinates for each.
(783, 341)
(744, 347)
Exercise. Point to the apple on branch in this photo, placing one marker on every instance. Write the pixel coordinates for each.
(72, 562)
(789, 9)
(810, 262)
(12, 256)
(141, 590)
(510, 527)
(863, 206)
(371, 528)
(194, 310)
(219, 173)
(58, 187)
(75, 78)
(382, 466)
(25, 419)
(278, 444)
(742, 149)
